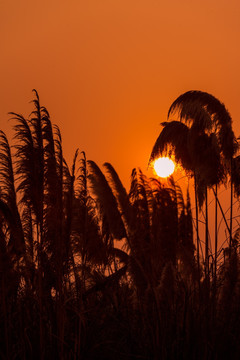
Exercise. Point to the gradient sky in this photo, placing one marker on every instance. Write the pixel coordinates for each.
(108, 70)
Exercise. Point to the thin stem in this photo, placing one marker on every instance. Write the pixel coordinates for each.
(231, 210)
(223, 215)
(197, 228)
(216, 234)
(206, 236)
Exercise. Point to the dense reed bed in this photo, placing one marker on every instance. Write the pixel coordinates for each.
(91, 271)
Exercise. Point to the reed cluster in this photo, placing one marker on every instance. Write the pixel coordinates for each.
(91, 271)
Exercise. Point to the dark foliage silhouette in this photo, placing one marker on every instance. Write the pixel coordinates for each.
(91, 271)
(203, 142)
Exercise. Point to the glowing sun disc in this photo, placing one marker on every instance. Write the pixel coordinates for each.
(164, 167)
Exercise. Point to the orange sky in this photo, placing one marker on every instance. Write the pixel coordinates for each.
(108, 70)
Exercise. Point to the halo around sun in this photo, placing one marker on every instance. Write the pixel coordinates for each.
(164, 167)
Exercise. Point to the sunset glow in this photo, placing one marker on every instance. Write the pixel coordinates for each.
(164, 167)
(120, 179)
(113, 68)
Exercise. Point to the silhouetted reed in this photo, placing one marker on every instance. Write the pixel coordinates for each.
(91, 271)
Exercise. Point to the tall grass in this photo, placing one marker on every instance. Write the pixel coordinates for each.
(91, 271)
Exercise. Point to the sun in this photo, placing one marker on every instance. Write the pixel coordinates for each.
(164, 167)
